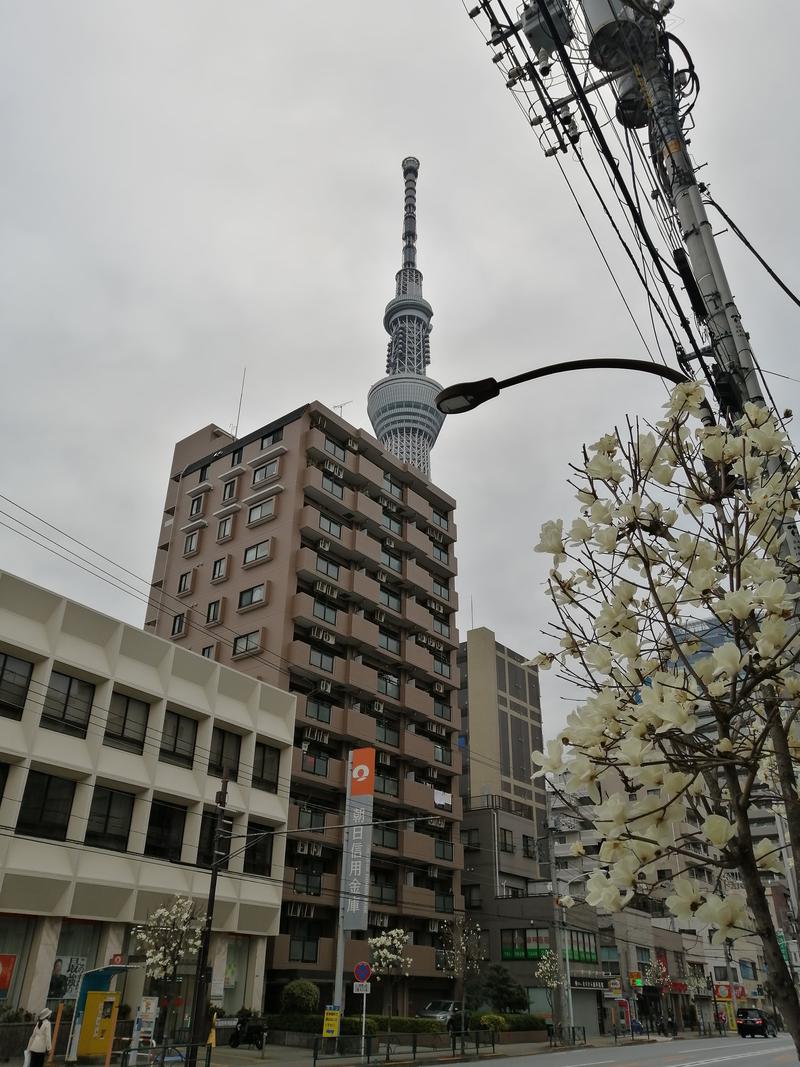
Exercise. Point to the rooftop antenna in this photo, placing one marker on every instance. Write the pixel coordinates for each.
(239, 411)
(340, 407)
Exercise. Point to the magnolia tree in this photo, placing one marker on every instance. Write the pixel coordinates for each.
(547, 973)
(462, 955)
(389, 961)
(656, 975)
(674, 592)
(171, 934)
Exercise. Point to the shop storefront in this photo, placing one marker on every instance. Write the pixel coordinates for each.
(587, 1003)
(16, 935)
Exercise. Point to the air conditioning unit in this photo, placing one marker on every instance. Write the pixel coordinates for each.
(308, 911)
(437, 822)
(438, 687)
(380, 616)
(314, 733)
(326, 590)
(333, 468)
(325, 686)
(433, 872)
(315, 849)
(328, 638)
(324, 544)
(384, 759)
(377, 705)
(435, 534)
(302, 848)
(436, 644)
(352, 444)
(382, 920)
(382, 576)
(437, 729)
(421, 639)
(320, 422)
(389, 542)
(433, 926)
(317, 633)
(294, 910)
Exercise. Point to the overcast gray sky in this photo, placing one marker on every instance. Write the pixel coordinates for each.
(192, 187)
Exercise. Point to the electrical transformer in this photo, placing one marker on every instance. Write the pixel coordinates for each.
(615, 34)
(535, 27)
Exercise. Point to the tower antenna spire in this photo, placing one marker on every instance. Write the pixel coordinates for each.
(401, 406)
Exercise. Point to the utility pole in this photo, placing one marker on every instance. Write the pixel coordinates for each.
(558, 925)
(199, 1033)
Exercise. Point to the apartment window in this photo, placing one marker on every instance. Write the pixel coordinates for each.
(262, 511)
(225, 528)
(236, 457)
(254, 595)
(330, 526)
(386, 783)
(529, 847)
(386, 836)
(328, 567)
(219, 568)
(254, 553)
(15, 680)
(391, 522)
(513, 944)
(391, 560)
(318, 709)
(582, 946)
(443, 754)
(441, 589)
(747, 971)
(315, 763)
(318, 658)
(258, 856)
(506, 841)
(440, 626)
(442, 710)
(266, 472)
(310, 820)
(439, 519)
(196, 506)
(213, 611)
(664, 874)
(46, 806)
(383, 887)
(178, 624)
(334, 488)
(325, 611)
(203, 474)
(165, 831)
(389, 598)
(191, 543)
(441, 666)
(245, 644)
(642, 956)
(109, 819)
(207, 652)
(266, 767)
(178, 739)
(389, 684)
(302, 947)
(389, 641)
(443, 902)
(609, 959)
(229, 490)
(392, 487)
(224, 754)
(443, 849)
(272, 438)
(387, 733)
(470, 838)
(206, 854)
(127, 723)
(68, 704)
(309, 883)
(184, 582)
(333, 448)
(472, 896)
(441, 554)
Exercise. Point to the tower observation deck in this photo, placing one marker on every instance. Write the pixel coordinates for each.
(401, 405)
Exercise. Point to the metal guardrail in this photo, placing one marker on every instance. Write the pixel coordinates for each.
(166, 1056)
(387, 1047)
(566, 1035)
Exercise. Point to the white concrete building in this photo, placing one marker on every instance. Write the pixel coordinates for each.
(112, 747)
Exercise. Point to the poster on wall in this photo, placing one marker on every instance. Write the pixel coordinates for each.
(7, 964)
(65, 980)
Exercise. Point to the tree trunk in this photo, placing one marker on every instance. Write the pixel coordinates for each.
(788, 784)
(779, 976)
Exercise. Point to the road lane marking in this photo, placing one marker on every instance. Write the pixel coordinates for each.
(724, 1059)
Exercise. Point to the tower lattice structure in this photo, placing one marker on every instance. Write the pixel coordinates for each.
(401, 406)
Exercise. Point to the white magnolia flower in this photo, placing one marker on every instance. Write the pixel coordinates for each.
(718, 830)
(551, 539)
(686, 898)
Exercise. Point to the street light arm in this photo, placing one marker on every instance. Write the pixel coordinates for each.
(468, 395)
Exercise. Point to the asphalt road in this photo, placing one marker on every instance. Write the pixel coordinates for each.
(740, 1052)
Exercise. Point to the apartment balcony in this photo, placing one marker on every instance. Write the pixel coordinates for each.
(298, 656)
(300, 885)
(370, 510)
(340, 502)
(292, 953)
(417, 539)
(367, 589)
(369, 471)
(302, 611)
(365, 679)
(306, 567)
(415, 699)
(430, 850)
(419, 615)
(359, 727)
(315, 443)
(416, 747)
(417, 576)
(415, 900)
(336, 725)
(310, 528)
(419, 505)
(417, 796)
(331, 834)
(317, 770)
(367, 547)
(419, 657)
(363, 632)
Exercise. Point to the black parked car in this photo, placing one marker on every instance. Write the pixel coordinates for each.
(751, 1022)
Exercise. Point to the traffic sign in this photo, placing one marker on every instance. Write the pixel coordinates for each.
(331, 1023)
(362, 971)
(361, 987)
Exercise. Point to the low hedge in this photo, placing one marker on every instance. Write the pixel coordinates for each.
(513, 1021)
(312, 1024)
(402, 1024)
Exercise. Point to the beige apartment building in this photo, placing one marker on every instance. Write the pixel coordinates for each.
(308, 556)
(111, 753)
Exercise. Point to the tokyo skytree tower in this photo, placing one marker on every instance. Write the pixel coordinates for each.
(401, 406)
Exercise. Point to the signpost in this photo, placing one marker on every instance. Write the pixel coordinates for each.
(331, 1023)
(362, 973)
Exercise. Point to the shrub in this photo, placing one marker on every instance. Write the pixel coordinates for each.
(523, 1021)
(490, 1021)
(300, 997)
(405, 1025)
(312, 1024)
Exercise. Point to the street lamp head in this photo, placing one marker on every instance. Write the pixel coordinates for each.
(466, 395)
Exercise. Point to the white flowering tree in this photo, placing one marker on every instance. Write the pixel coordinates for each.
(656, 975)
(675, 598)
(462, 955)
(389, 961)
(171, 934)
(547, 973)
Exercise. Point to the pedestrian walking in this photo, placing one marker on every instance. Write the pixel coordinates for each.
(40, 1041)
